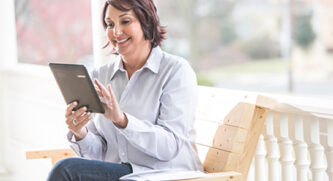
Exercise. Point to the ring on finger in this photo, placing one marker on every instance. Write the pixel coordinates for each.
(74, 122)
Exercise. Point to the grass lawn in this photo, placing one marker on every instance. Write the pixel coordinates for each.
(231, 71)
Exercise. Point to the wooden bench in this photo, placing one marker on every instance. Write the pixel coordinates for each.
(228, 142)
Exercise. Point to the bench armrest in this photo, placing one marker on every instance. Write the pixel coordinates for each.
(55, 155)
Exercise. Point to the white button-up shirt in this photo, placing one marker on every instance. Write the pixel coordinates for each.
(159, 101)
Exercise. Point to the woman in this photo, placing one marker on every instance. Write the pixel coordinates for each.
(149, 98)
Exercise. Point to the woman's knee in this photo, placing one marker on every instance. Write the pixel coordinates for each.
(65, 169)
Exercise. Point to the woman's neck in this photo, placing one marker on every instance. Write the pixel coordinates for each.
(136, 60)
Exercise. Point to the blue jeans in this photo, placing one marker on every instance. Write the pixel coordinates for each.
(79, 169)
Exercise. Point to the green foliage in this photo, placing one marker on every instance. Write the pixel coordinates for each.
(204, 80)
(228, 34)
(303, 32)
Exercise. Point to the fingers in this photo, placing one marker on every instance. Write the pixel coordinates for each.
(76, 115)
(79, 112)
(111, 92)
(77, 121)
(84, 120)
(98, 91)
(80, 122)
(70, 108)
(100, 94)
(102, 89)
(106, 96)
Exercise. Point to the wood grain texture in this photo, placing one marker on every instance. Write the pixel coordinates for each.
(54, 155)
(218, 160)
(230, 138)
(241, 115)
(256, 128)
(244, 124)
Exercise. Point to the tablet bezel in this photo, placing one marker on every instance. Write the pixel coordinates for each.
(75, 77)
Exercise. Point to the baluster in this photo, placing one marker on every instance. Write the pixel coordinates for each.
(260, 160)
(316, 149)
(272, 149)
(296, 133)
(329, 148)
(285, 144)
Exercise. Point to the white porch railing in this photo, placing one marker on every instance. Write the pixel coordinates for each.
(297, 143)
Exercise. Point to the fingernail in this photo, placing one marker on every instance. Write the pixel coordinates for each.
(75, 103)
(85, 108)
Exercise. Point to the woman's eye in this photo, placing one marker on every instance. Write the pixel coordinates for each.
(125, 21)
(109, 25)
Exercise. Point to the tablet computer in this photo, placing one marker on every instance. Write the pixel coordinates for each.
(75, 85)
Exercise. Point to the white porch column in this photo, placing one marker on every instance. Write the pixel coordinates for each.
(8, 47)
(260, 160)
(316, 149)
(272, 149)
(285, 144)
(99, 38)
(328, 143)
(8, 58)
(296, 133)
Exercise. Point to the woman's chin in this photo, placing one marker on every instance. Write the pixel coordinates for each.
(124, 51)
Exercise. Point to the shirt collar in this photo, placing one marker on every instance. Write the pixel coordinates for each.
(153, 62)
(118, 66)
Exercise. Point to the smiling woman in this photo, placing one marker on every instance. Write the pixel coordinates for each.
(149, 97)
(148, 18)
(121, 21)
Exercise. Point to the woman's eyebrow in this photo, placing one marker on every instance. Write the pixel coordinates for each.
(109, 19)
(123, 15)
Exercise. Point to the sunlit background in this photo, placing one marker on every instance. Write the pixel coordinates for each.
(257, 45)
(270, 46)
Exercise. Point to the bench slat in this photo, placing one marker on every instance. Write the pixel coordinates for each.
(242, 129)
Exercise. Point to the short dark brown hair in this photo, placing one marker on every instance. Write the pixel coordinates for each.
(146, 12)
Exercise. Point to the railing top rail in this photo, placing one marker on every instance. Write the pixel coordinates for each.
(297, 105)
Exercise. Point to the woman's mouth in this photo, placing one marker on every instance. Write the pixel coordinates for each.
(122, 42)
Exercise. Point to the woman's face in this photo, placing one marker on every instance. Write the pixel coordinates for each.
(124, 30)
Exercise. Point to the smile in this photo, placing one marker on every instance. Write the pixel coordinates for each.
(121, 42)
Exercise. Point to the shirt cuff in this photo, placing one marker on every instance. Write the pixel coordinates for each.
(133, 125)
(82, 146)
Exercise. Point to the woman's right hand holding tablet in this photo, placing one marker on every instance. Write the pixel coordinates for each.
(77, 120)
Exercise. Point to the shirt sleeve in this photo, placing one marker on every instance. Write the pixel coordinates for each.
(164, 139)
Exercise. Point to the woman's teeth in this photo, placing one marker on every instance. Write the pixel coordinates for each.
(121, 41)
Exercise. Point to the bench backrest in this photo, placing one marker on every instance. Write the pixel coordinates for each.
(229, 141)
(226, 138)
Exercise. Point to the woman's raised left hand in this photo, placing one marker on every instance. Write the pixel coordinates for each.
(109, 101)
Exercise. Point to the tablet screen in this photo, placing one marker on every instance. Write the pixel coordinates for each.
(76, 85)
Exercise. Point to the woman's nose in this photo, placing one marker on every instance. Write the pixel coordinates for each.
(117, 31)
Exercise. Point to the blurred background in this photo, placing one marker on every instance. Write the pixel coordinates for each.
(270, 46)
(283, 46)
